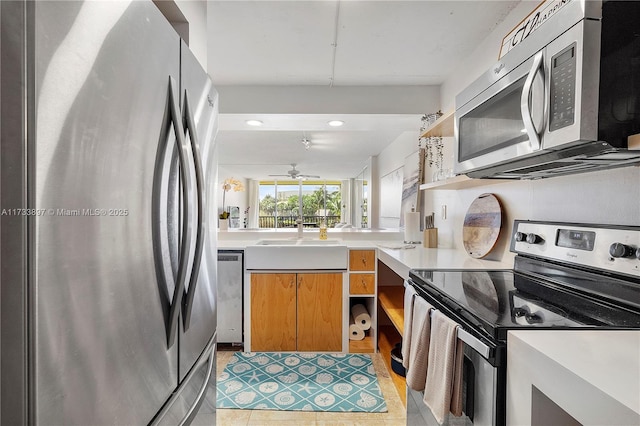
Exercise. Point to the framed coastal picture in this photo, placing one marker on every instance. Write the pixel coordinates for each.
(410, 185)
(391, 193)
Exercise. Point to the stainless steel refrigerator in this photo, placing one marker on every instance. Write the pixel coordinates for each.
(108, 250)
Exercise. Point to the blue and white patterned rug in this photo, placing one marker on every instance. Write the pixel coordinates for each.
(300, 381)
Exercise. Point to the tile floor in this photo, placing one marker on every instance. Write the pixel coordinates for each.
(394, 417)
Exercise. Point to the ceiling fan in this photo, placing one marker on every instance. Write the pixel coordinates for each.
(295, 174)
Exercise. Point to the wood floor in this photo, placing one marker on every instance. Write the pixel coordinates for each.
(394, 417)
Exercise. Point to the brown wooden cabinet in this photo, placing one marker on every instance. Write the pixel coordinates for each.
(320, 312)
(292, 312)
(362, 291)
(273, 312)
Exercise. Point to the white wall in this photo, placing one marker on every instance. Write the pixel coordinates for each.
(485, 55)
(390, 159)
(326, 100)
(608, 197)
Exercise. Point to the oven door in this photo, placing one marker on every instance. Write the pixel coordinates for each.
(484, 379)
(479, 384)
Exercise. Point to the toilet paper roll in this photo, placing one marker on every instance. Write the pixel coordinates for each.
(361, 316)
(412, 232)
(355, 331)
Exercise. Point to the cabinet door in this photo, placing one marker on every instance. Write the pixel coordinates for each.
(273, 312)
(320, 312)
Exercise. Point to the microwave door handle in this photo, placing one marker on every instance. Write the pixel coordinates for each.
(525, 104)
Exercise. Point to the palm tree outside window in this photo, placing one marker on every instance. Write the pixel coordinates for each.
(279, 204)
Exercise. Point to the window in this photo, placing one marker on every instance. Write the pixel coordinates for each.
(280, 203)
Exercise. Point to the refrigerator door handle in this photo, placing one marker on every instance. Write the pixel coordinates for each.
(189, 124)
(185, 182)
(193, 411)
(208, 356)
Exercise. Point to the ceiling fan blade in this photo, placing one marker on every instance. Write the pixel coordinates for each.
(310, 176)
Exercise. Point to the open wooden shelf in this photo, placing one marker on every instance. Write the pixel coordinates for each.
(391, 299)
(364, 346)
(387, 339)
(461, 182)
(443, 126)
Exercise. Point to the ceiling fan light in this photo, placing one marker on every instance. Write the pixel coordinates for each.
(336, 123)
(254, 123)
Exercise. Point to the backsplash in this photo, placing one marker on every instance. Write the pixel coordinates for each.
(606, 197)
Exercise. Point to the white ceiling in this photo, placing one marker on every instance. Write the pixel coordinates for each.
(377, 43)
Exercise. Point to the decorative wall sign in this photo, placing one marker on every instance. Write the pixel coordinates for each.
(531, 23)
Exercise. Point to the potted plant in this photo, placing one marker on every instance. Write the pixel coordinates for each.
(227, 185)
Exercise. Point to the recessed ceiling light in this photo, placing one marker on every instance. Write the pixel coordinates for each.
(254, 122)
(336, 123)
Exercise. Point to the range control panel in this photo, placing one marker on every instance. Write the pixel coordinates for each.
(610, 248)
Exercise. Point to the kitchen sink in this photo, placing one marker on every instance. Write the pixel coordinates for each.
(277, 242)
(296, 242)
(296, 254)
(319, 242)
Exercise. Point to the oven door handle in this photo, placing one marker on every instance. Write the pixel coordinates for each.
(474, 343)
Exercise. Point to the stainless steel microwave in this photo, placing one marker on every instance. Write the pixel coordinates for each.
(566, 100)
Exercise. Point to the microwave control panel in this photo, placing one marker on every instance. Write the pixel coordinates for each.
(563, 89)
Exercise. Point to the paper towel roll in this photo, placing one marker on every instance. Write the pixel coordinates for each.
(361, 316)
(355, 331)
(412, 232)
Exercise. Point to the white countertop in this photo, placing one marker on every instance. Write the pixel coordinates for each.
(400, 260)
(592, 375)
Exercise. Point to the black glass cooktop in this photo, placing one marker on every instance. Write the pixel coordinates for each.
(493, 302)
(481, 297)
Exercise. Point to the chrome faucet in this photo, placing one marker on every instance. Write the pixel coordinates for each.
(299, 223)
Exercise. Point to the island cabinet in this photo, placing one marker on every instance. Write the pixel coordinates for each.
(296, 311)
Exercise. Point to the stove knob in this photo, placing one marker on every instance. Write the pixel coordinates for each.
(520, 236)
(520, 312)
(533, 318)
(621, 250)
(534, 239)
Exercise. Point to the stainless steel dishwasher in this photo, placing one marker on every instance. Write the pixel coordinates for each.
(230, 283)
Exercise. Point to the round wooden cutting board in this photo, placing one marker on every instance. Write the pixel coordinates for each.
(482, 225)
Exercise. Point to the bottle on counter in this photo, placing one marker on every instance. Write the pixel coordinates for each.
(323, 230)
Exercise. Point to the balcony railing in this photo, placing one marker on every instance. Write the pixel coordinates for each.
(308, 221)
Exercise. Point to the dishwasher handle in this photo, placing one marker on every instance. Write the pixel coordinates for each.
(226, 257)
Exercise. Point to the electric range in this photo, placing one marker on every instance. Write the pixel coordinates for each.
(565, 276)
